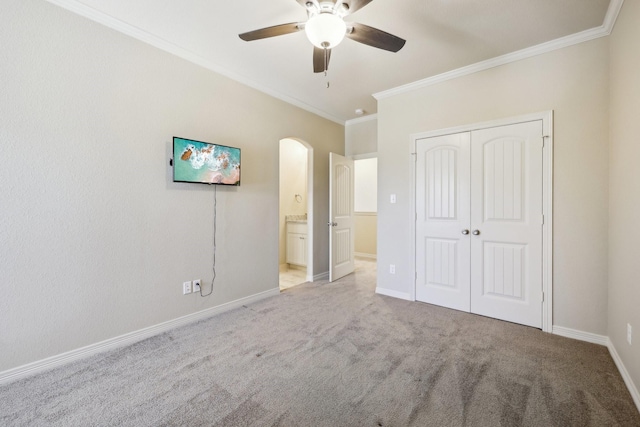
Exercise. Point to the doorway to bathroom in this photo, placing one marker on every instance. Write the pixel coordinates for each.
(295, 252)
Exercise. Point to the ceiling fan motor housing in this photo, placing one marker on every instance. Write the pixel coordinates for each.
(339, 8)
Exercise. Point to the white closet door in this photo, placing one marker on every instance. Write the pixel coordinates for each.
(443, 215)
(506, 223)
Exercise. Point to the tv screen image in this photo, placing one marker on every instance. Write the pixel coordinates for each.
(205, 163)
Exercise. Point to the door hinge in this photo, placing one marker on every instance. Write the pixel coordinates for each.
(542, 218)
(543, 297)
(544, 137)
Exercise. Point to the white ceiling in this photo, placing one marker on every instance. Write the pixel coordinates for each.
(442, 35)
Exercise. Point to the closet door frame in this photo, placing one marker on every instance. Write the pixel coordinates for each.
(547, 198)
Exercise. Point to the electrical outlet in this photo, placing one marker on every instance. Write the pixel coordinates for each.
(196, 285)
(392, 198)
(186, 288)
(629, 333)
(392, 269)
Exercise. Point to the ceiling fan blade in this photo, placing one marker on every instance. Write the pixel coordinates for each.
(276, 30)
(354, 5)
(374, 37)
(319, 64)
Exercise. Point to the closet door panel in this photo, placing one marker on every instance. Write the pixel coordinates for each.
(506, 223)
(442, 205)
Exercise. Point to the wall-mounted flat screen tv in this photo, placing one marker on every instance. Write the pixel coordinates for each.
(205, 163)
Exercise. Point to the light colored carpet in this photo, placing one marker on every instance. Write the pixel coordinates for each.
(335, 354)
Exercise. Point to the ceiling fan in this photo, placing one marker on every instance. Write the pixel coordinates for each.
(326, 28)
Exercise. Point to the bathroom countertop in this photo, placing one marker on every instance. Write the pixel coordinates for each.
(302, 219)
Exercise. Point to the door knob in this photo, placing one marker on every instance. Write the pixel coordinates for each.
(465, 232)
(475, 232)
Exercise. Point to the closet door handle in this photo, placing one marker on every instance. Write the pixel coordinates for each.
(475, 232)
(465, 232)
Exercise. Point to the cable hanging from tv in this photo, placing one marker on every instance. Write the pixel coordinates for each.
(206, 163)
(215, 203)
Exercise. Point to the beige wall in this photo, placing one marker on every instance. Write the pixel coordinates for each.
(361, 136)
(293, 180)
(96, 238)
(366, 233)
(624, 189)
(574, 83)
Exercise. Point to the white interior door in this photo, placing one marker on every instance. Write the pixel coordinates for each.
(442, 221)
(506, 223)
(488, 182)
(341, 217)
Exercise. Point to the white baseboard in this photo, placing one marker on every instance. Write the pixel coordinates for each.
(126, 339)
(394, 294)
(363, 255)
(605, 341)
(580, 335)
(321, 276)
(625, 374)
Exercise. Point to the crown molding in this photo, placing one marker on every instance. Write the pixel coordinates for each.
(139, 34)
(367, 118)
(612, 15)
(604, 30)
(143, 36)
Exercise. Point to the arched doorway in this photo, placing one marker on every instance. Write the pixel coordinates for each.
(295, 216)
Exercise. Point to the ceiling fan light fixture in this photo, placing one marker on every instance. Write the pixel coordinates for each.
(325, 30)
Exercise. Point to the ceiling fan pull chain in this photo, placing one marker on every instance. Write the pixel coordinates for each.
(325, 63)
